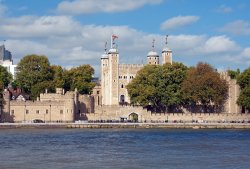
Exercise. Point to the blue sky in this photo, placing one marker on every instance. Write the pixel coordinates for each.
(73, 32)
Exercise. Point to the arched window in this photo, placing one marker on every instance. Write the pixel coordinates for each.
(122, 98)
(122, 86)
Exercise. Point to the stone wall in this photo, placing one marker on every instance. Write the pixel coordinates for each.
(49, 107)
(116, 113)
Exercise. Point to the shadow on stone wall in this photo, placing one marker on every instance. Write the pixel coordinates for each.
(6, 117)
(188, 109)
(204, 109)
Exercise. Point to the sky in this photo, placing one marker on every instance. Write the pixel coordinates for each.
(73, 32)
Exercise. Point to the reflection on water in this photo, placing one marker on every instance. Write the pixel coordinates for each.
(124, 148)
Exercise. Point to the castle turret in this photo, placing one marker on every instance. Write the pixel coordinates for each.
(6, 114)
(109, 75)
(153, 57)
(104, 76)
(166, 53)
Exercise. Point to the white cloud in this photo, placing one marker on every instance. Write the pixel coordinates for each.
(178, 21)
(77, 7)
(246, 53)
(30, 26)
(218, 44)
(224, 9)
(68, 43)
(238, 27)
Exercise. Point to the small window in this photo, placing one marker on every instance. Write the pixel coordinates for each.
(47, 111)
(37, 112)
(122, 86)
(61, 111)
(27, 111)
(12, 112)
(98, 92)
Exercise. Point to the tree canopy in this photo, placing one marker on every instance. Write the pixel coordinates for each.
(35, 75)
(5, 77)
(80, 77)
(244, 81)
(158, 87)
(204, 86)
(33, 69)
(244, 78)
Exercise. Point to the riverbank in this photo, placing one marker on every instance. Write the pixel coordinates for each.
(128, 125)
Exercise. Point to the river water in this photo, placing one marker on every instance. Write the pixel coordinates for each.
(124, 148)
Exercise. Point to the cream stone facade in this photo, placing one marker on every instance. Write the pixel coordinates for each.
(49, 107)
(115, 76)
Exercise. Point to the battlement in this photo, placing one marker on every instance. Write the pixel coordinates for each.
(36, 103)
(56, 96)
(126, 66)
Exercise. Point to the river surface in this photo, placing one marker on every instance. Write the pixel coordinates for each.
(124, 148)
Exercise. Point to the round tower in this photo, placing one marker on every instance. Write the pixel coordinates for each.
(153, 57)
(104, 75)
(166, 53)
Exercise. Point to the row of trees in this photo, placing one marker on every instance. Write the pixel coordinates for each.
(171, 87)
(35, 74)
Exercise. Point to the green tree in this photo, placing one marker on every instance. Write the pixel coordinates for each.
(32, 70)
(169, 89)
(41, 87)
(204, 86)
(143, 88)
(158, 87)
(244, 81)
(234, 74)
(5, 77)
(244, 78)
(80, 78)
(58, 74)
(244, 98)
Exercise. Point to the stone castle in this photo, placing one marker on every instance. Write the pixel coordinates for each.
(115, 76)
(110, 100)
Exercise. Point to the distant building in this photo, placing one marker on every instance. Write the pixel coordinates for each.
(6, 61)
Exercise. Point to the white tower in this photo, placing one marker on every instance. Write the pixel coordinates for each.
(153, 57)
(166, 53)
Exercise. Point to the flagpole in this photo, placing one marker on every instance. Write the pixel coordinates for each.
(111, 40)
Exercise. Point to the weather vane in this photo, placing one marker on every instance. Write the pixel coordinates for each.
(166, 40)
(153, 44)
(105, 47)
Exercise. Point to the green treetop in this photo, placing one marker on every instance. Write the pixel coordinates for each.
(32, 70)
(5, 77)
(158, 87)
(244, 81)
